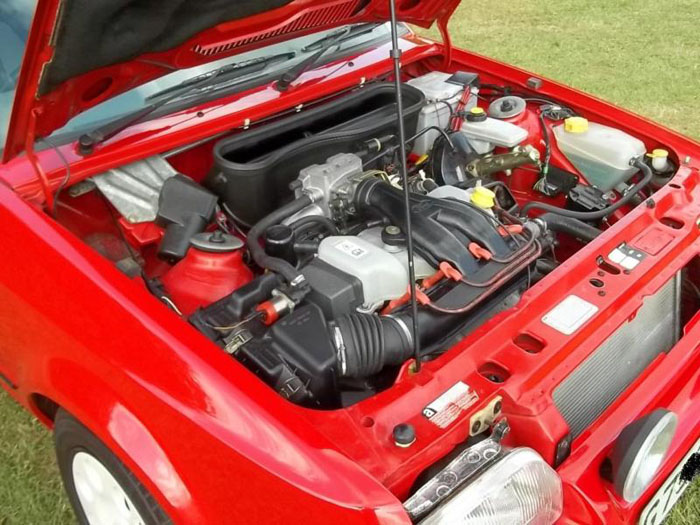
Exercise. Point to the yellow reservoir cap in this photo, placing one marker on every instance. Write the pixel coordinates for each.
(658, 154)
(576, 125)
(476, 110)
(483, 197)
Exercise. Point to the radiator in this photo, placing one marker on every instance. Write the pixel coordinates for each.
(616, 363)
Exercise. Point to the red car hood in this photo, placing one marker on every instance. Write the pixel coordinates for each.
(82, 52)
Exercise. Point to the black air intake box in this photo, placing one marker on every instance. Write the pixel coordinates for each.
(252, 170)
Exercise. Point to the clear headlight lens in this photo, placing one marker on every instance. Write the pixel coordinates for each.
(519, 489)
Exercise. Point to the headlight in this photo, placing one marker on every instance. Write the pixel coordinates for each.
(519, 489)
(639, 451)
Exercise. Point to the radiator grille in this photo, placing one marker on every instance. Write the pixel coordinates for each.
(615, 364)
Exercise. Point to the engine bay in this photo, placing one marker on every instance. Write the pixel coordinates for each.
(285, 243)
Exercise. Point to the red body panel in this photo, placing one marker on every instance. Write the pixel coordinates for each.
(214, 443)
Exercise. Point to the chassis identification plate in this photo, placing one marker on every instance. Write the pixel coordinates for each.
(446, 408)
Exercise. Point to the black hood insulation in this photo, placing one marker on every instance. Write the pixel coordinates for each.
(98, 33)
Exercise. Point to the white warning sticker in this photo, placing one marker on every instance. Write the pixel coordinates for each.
(352, 249)
(446, 408)
(570, 314)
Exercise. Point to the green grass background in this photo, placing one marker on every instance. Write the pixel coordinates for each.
(641, 54)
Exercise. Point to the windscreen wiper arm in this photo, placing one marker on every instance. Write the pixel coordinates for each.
(345, 33)
(322, 45)
(88, 141)
(246, 67)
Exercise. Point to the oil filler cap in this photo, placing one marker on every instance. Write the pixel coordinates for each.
(576, 125)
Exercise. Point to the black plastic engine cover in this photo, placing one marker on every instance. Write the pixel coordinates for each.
(442, 228)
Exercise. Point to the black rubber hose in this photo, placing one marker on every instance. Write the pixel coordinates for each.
(274, 264)
(571, 226)
(313, 220)
(594, 215)
(306, 246)
(367, 343)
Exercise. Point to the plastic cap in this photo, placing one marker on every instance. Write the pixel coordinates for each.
(576, 125)
(658, 154)
(483, 197)
(476, 114)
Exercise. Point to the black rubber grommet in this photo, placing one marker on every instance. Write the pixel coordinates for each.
(404, 435)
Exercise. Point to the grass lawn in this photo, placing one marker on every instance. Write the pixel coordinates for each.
(641, 54)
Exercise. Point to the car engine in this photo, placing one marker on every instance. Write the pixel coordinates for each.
(290, 250)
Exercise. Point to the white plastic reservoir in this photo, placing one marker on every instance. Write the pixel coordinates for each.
(602, 154)
(438, 94)
(485, 135)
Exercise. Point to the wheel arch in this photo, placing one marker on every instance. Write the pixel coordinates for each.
(119, 428)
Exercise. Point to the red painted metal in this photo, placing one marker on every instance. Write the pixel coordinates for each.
(216, 445)
(202, 278)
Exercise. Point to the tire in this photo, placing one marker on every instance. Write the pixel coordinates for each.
(100, 487)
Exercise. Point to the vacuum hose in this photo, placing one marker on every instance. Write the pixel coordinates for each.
(571, 226)
(594, 215)
(275, 264)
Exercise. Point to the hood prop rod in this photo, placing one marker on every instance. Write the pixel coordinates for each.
(396, 56)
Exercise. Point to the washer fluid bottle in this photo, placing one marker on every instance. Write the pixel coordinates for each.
(602, 154)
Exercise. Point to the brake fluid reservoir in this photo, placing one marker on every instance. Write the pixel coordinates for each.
(602, 154)
(485, 133)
